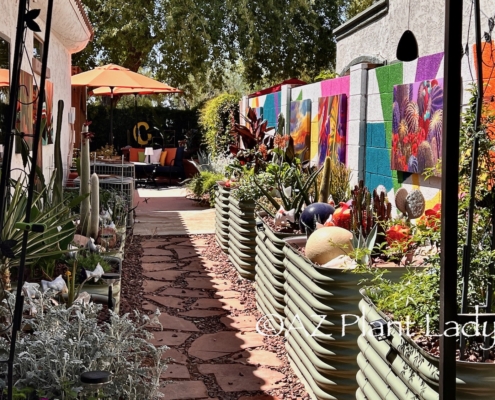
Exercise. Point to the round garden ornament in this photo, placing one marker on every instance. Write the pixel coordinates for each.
(328, 243)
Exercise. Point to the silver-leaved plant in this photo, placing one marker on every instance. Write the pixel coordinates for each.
(67, 341)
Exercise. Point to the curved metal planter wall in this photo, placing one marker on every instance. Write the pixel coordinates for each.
(316, 299)
(270, 269)
(222, 217)
(399, 369)
(242, 237)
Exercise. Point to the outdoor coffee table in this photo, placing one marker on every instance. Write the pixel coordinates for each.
(144, 173)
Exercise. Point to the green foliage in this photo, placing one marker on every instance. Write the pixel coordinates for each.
(88, 260)
(68, 341)
(354, 7)
(188, 42)
(217, 118)
(417, 292)
(325, 74)
(204, 183)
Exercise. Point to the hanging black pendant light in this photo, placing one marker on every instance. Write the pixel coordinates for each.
(407, 49)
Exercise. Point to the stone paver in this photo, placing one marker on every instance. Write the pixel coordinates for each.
(183, 292)
(152, 243)
(176, 355)
(185, 251)
(237, 378)
(153, 286)
(194, 266)
(208, 283)
(260, 397)
(167, 301)
(202, 313)
(167, 338)
(176, 371)
(164, 275)
(151, 267)
(176, 323)
(208, 347)
(226, 304)
(243, 323)
(157, 252)
(227, 294)
(156, 259)
(258, 357)
(185, 390)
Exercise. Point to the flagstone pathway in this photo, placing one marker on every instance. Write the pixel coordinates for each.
(209, 322)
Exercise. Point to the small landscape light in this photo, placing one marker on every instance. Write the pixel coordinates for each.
(259, 226)
(110, 278)
(379, 328)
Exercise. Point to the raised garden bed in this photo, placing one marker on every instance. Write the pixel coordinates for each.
(222, 195)
(318, 297)
(398, 366)
(242, 237)
(270, 269)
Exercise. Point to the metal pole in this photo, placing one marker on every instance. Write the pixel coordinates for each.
(466, 256)
(136, 116)
(450, 183)
(11, 116)
(32, 176)
(110, 139)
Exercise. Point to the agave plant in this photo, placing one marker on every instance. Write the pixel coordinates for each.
(57, 219)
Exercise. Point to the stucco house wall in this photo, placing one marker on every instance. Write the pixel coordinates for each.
(70, 33)
(375, 33)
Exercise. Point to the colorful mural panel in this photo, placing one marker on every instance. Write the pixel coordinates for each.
(300, 124)
(332, 121)
(417, 120)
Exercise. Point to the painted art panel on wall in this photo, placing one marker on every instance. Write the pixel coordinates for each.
(417, 121)
(300, 124)
(332, 120)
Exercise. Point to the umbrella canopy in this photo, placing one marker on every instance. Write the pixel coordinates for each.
(277, 88)
(106, 91)
(114, 76)
(4, 77)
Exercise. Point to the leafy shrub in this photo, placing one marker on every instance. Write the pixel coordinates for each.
(217, 117)
(69, 341)
(203, 184)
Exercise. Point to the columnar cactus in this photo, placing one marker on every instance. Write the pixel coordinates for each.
(95, 206)
(59, 168)
(362, 212)
(84, 181)
(325, 182)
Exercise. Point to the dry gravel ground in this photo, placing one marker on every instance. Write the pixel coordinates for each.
(209, 317)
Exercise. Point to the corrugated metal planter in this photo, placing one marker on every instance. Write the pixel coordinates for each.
(399, 368)
(222, 195)
(316, 298)
(242, 236)
(270, 269)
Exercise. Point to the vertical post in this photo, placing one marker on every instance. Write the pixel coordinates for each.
(30, 195)
(11, 116)
(450, 182)
(110, 138)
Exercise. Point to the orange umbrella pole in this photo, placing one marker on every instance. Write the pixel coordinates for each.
(110, 139)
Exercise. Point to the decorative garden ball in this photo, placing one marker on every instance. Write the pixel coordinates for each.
(316, 212)
(328, 243)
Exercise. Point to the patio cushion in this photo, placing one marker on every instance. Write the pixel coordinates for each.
(170, 155)
(163, 158)
(141, 156)
(155, 158)
(134, 154)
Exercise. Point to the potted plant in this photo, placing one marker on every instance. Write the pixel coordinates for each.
(403, 349)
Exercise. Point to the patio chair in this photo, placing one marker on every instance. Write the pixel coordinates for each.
(175, 167)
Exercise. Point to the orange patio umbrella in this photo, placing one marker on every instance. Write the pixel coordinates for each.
(106, 91)
(115, 76)
(4, 77)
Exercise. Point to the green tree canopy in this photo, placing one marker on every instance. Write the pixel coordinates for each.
(184, 42)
